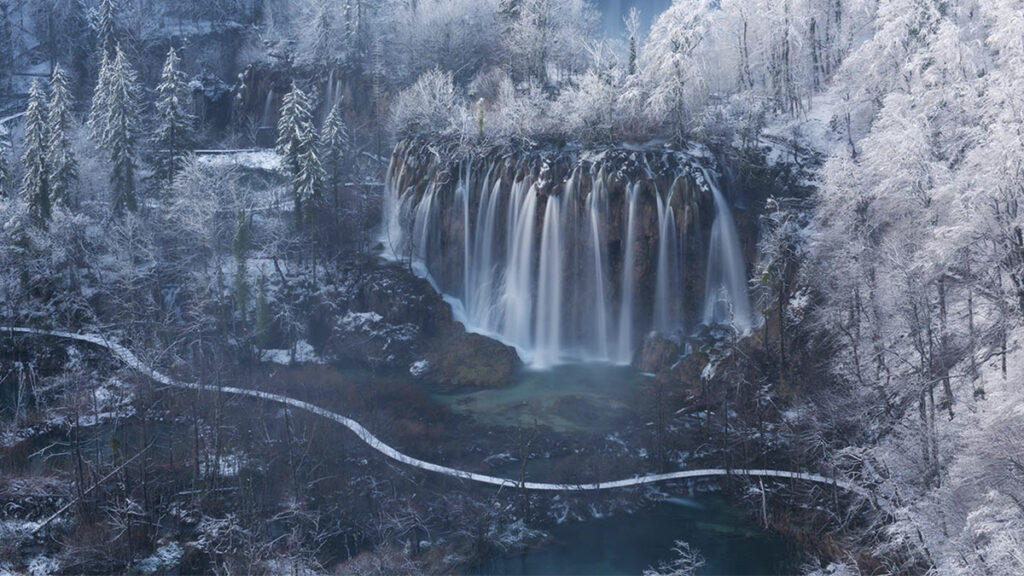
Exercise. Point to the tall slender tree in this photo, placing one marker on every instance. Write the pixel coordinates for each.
(35, 186)
(98, 111)
(174, 135)
(632, 22)
(63, 165)
(297, 145)
(334, 138)
(5, 168)
(106, 28)
(120, 128)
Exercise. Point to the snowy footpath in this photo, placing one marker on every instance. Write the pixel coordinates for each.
(366, 436)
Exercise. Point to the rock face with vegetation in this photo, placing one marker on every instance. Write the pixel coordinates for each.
(386, 317)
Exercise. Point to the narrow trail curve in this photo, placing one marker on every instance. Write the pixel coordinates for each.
(366, 436)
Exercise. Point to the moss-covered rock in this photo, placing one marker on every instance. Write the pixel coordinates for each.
(458, 358)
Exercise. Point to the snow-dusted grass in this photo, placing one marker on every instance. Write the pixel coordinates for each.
(372, 441)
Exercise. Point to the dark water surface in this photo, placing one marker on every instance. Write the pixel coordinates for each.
(630, 543)
(589, 399)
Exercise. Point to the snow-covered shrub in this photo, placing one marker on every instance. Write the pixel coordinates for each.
(428, 106)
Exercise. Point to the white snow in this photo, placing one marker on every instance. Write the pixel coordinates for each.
(419, 367)
(267, 160)
(164, 558)
(354, 321)
(303, 354)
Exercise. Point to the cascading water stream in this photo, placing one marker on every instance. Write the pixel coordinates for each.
(568, 268)
(668, 285)
(518, 295)
(726, 300)
(548, 341)
(265, 120)
(624, 353)
(596, 208)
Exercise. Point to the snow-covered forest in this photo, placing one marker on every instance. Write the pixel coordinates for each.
(557, 243)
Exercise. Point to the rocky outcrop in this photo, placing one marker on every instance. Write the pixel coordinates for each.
(656, 353)
(384, 316)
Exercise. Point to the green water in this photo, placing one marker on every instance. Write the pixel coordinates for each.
(571, 398)
(630, 543)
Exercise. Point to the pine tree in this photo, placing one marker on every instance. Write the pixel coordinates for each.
(98, 111)
(334, 138)
(5, 168)
(308, 182)
(35, 186)
(632, 22)
(322, 34)
(63, 166)
(106, 28)
(174, 134)
(297, 145)
(120, 125)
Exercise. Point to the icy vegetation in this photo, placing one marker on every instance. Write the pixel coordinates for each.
(799, 219)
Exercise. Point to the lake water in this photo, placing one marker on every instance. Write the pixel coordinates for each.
(568, 398)
(596, 398)
(629, 543)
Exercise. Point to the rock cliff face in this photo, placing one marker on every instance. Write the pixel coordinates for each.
(383, 316)
(571, 255)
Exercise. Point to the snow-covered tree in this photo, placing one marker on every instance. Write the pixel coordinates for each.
(35, 186)
(434, 33)
(173, 137)
(427, 106)
(99, 108)
(632, 22)
(674, 74)
(545, 36)
(5, 167)
(335, 143)
(106, 28)
(297, 143)
(687, 561)
(63, 165)
(120, 125)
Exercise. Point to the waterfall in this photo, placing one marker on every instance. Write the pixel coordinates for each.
(548, 341)
(564, 260)
(462, 199)
(596, 208)
(726, 300)
(267, 105)
(625, 348)
(518, 297)
(668, 286)
(330, 92)
(481, 293)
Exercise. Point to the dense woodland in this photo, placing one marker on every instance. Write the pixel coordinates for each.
(201, 181)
